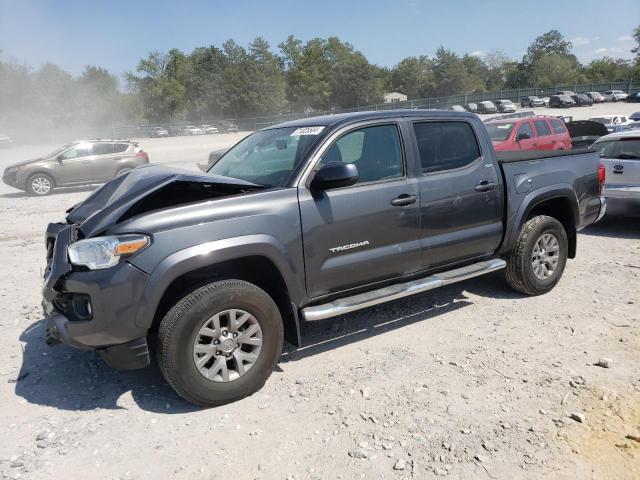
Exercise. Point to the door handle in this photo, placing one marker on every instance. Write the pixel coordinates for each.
(485, 186)
(404, 200)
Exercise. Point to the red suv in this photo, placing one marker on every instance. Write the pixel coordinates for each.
(530, 133)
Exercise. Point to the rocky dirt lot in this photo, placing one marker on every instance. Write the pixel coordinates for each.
(472, 381)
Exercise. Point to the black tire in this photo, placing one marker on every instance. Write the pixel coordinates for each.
(179, 327)
(42, 179)
(520, 272)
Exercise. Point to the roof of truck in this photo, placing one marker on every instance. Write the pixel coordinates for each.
(344, 118)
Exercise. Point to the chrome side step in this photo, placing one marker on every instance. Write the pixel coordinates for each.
(400, 290)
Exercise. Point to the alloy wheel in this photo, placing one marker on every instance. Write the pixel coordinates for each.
(41, 185)
(227, 345)
(545, 256)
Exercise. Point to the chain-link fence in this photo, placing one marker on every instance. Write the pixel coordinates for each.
(445, 102)
(59, 134)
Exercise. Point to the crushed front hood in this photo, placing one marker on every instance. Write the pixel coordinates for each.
(113, 200)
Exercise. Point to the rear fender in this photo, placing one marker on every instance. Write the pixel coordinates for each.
(534, 199)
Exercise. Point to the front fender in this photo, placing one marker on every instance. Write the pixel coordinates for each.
(210, 254)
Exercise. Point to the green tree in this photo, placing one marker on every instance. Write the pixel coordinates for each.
(476, 74)
(253, 80)
(161, 93)
(608, 69)
(204, 86)
(554, 69)
(449, 72)
(548, 48)
(413, 76)
(636, 49)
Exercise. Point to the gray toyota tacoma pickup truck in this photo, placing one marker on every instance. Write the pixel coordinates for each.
(300, 222)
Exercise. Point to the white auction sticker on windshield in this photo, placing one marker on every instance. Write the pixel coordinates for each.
(307, 131)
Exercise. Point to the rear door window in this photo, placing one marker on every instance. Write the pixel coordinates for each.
(445, 145)
(542, 128)
(102, 148)
(558, 126)
(120, 147)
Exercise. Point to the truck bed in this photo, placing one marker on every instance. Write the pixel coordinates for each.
(546, 175)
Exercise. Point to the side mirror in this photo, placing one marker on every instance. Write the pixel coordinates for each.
(523, 136)
(334, 175)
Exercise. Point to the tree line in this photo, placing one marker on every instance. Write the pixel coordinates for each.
(234, 81)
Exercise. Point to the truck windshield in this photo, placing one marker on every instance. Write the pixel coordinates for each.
(267, 157)
(622, 149)
(499, 132)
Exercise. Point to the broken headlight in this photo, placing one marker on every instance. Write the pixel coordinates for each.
(105, 252)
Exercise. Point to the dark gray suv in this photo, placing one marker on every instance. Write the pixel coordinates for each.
(77, 163)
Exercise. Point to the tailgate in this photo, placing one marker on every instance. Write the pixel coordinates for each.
(622, 177)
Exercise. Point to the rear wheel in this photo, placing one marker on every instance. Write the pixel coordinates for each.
(537, 262)
(220, 343)
(40, 184)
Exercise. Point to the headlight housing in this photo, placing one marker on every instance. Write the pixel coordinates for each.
(105, 252)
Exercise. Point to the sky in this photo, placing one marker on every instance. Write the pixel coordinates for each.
(116, 34)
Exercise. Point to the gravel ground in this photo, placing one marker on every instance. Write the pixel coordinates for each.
(469, 381)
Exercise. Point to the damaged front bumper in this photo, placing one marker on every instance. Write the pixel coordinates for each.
(93, 310)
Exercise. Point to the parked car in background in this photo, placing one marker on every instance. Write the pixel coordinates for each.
(531, 101)
(209, 129)
(561, 101)
(612, 121)
(232, 128)
(614, 95)
(584, 132)
(472, 107)
(456, 108)
(78, 163)
(568, 93)
(529, 133)
(597, 97)
(5, 141)
(546, 101)
(582, 100)
(157, 132)
(620, 155)
(191, 130)
(633, 98)
(214, 156)
(487, 107)
(506, 106)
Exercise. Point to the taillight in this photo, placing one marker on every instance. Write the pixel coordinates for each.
(142, 153)
(602, 176)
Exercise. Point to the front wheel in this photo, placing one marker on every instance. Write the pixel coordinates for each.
(40, 184)
(220, 343)
(537, 261)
